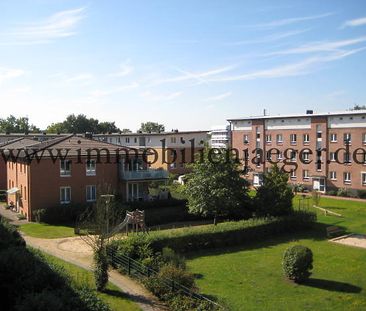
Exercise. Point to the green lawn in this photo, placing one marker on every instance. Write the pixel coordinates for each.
(112, 295)
(250, 278)
(41, 230)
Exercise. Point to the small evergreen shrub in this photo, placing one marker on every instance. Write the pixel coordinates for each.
(297, 263)
(343, 192)
(101, 269)
(38, 214)
(361, 194)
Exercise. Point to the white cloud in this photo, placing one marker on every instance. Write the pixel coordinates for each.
(59, 25)
(124, 69)
(271, 38)
(160, 97)
(218, 97)
(320, 46)
(288, 21)
(10, 73)
(198, 76)
(354, 22)
(294, 69)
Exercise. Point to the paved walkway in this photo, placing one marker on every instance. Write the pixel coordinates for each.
(335, 197)
(10, 215)
(358, 240)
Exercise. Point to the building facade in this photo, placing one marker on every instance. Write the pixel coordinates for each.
(220, 137)
(72, 170)
(322, 151)
(170, 151)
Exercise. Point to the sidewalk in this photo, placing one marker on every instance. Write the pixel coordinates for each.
(11, 216)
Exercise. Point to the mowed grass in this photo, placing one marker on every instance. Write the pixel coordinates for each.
(113, 296)
(251, 277)
(45, 231)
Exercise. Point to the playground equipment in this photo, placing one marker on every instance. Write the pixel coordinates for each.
(135, 218)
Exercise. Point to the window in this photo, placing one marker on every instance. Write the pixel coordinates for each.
(246, 139)
(91, 168)
(306, 156)
(306, 138)
(305, 174)
(363, 178)
(293, 156)
(258, 135)
(293, 173)
(91, 193)
(347, 157)
(347, 137)
(332, 156)
(65, 167)
(279, 138)
(135, 140)
(173, 140)
(333, 175)
(364, 138)
(269, 156)
(347, 177)
(293, 138)
(333, 137)
(173, 165)
(65, 195)
(268, 138)
(127, 139)
(279, 156)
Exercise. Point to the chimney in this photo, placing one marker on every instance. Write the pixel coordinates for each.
(309, 111)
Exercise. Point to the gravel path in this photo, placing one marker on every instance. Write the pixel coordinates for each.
(358, 240)
(75, 251)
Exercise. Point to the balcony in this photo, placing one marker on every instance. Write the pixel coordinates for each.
(148, 174)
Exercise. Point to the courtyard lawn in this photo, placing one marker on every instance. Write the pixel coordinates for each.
(113, 296)
(45, 231)
(251, 277)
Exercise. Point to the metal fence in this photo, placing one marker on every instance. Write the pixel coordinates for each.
(138, 270)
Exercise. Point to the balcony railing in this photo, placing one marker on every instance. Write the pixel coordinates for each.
(148, 174)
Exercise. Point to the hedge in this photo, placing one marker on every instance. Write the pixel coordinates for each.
(223, 234)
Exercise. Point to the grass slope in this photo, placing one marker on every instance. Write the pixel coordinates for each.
(113, 296)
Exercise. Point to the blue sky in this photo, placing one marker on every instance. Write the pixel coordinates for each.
(186, 64)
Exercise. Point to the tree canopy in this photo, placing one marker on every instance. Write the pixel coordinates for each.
(359, 107)
(152, 127)
(82, 124)
(215, 186)
(12, 124)
(274, 197)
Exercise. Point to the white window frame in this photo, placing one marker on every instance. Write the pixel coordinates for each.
(333, 137)
(293, 173)
(347, 178)
(127, 140)
(305, 174)
(268, 138)
(347, 136)
(293, 139)
(62, 199)
(89, 171)
(333, 175)
(173, 140)
(364, 138)
(245, 139)
(363, 178)
(306, 156)
(63, 171)
(306, 138)
(279, 138)
(89, 191)
(332, 156)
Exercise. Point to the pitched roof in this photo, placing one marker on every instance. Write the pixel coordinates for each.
(18, 143)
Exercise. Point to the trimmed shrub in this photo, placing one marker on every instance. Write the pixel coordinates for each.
(211, 236)
(361, 194)
(332, 192)
(343, 192)
(38, 214)
(62, 214)
(297, 263)
(101, 269)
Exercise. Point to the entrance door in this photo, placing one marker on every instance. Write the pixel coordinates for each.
(319, 184)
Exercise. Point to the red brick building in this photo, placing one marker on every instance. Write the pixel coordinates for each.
(70, 170)
(324, 151)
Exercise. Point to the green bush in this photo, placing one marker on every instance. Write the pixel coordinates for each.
(101, 269)
(211, 236)
(162, 284)
(332, 192)
(361, 194)
(343, 192)
(61, 214)
(38, 214)
(297, 263)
